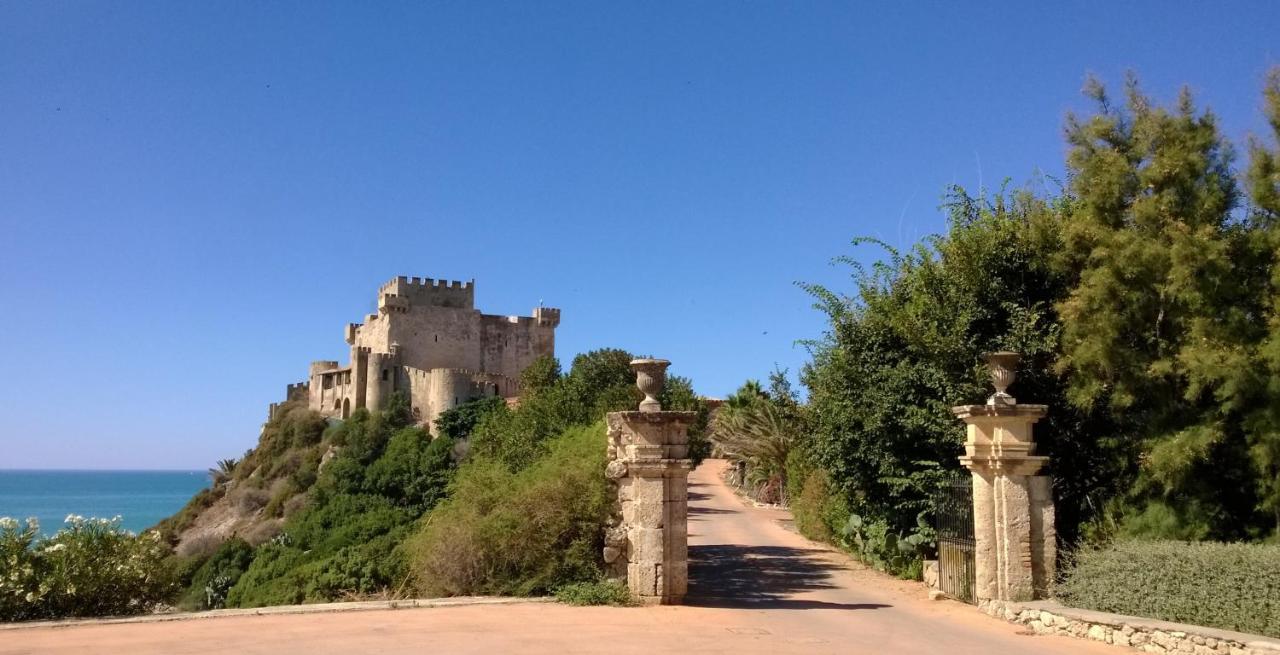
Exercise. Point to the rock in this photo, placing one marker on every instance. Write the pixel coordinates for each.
(935, 594)
(1097, 633)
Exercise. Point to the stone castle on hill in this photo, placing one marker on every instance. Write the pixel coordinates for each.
(429, 342)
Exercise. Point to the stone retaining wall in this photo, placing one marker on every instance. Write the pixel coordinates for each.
(1146, 635)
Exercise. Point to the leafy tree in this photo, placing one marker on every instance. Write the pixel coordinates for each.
(541, 374)
(905, 347)
(1163, 320)
(458, 422)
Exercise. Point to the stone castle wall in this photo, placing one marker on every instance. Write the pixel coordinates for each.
(429, 342)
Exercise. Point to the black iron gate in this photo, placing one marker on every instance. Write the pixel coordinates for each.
(955, 539)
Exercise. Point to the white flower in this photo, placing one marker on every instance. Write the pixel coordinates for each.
(8, 523)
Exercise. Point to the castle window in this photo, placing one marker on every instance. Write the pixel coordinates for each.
(437, 338)
(386, 374)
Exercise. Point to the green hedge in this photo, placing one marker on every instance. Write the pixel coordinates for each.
(1230, 586)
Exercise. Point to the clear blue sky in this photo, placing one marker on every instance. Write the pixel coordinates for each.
(195, 198)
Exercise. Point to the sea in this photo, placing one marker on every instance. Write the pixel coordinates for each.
(140, 498)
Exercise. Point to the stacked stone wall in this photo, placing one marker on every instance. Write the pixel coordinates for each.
(1146, 635)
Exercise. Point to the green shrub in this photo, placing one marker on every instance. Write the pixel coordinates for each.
(457, 423)
(518, 533)
(210, 583)
(1230, 586)
(92, 567)
(343, 545)
(818, 512)
(599, 592)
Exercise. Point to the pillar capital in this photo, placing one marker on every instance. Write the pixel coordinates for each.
(998, 437)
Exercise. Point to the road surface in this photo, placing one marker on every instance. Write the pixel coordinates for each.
(755, 587)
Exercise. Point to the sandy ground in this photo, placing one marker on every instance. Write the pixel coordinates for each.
(756, 587)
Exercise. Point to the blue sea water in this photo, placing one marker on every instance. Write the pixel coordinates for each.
(140, 498)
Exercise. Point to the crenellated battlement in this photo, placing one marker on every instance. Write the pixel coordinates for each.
(547, 316)
(429, 291)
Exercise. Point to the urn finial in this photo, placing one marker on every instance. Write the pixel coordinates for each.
(1004, 370)
(651, 376)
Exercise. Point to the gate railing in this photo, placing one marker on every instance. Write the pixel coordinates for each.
(956, 571)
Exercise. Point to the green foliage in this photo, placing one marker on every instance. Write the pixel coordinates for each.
(600, 381)
(91, 567)
(819, 511)
(875, 543)
(1162, 320)
(541, 374)
(386, 474)
(905, 348)
(526, 511)
(209, 585)
(518, 532)
(1230, 586)
(459, 422)
(599, 592)
(757, 430)
(1146, 302)
(344, 545)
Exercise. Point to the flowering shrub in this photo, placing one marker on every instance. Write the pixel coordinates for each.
(92, 567)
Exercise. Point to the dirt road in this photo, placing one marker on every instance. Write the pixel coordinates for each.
(756, 587)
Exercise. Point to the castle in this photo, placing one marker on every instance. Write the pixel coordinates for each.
(429, 342)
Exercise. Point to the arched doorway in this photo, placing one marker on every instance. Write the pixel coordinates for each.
(346, 408)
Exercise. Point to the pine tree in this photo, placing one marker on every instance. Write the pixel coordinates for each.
(1166, 313)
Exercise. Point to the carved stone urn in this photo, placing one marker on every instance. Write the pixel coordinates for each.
(1004, 370)
(651, 376)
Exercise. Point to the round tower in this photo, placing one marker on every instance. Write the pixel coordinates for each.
(379, 374)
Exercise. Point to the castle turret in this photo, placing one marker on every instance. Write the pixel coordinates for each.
(379, 375)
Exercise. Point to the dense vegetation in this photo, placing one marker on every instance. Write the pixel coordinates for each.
(91, 567)
(1145, 297)
(1230, 586)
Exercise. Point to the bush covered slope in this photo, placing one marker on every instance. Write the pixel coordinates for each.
(499, 500)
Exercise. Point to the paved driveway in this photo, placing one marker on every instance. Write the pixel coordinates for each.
(756, 587)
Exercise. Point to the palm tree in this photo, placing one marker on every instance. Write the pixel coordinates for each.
(758, 437)
(222, 472)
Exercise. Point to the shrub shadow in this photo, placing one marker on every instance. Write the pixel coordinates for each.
(760, 577)
(696, 506)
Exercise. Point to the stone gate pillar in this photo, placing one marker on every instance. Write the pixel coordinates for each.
(1014, 535)
(646, 540)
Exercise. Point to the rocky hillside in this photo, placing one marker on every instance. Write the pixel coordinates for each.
(250, 498)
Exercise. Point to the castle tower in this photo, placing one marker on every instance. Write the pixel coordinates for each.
(380, 375)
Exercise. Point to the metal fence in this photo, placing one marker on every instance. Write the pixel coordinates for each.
(955, 539)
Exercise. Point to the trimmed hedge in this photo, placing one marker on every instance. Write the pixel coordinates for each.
(1231, 586)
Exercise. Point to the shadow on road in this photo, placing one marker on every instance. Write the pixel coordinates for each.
(759, 577)
(696, 507)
